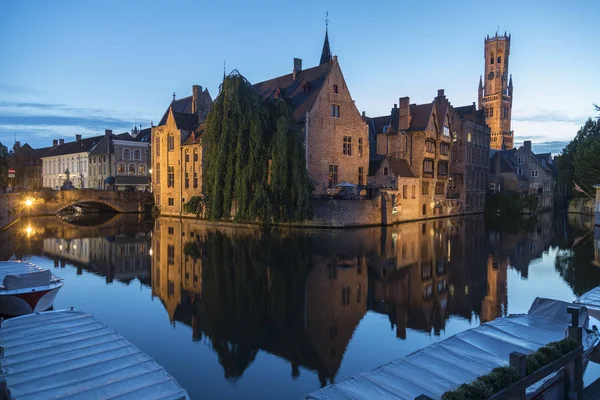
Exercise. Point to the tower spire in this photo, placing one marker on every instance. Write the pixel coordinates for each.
(326, 53)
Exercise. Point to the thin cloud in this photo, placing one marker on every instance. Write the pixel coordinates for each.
(549, 116)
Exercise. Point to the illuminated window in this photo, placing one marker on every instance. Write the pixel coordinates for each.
(333, 175)
(131, 169)
(121, 168)
(142, 169)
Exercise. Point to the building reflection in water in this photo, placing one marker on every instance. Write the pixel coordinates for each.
(301, 294)
(597, 246)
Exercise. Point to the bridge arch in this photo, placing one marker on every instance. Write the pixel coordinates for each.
(113, 206)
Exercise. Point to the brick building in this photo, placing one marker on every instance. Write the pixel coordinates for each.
(335, 135)
(523, 171)
(177, 152)
(496, 91)
(27, 163)
(421, 134)
(469, 164)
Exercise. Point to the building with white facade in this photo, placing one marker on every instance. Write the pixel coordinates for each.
(68, 161)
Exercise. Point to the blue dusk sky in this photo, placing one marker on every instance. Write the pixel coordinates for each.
(69, 67)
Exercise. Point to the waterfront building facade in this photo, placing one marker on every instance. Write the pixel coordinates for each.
(496, 91)
(469, 164)
(120, 162)
(177, 152)
(27, 163)
(335, 135)
(521, 170)
(68, 161)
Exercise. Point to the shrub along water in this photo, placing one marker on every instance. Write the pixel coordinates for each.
(502, 377)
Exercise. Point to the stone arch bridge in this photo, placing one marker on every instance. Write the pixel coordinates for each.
(51, 202)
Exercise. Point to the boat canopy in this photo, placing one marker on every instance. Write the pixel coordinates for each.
(461, 358)
(70, 354)
(20, 274)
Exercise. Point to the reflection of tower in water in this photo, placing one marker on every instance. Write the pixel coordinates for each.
(495, 303)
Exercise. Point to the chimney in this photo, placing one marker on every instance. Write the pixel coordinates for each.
(108, 132)
(54, 142)
(441, 93)
(404, 117)
(364, 115)
(297, 67)
(77, 138)
(527, 145)
(196, 92)
(61, 141)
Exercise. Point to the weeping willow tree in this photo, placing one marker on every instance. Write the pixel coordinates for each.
(245, 139)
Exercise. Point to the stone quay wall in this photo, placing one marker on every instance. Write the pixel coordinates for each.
(581, 206)
(11, 208)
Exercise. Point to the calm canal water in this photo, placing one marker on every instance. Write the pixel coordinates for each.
(236, 313)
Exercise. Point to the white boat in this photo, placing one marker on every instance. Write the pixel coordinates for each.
(26, 288)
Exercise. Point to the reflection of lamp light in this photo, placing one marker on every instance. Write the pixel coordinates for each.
(28, 202)
(29, 231)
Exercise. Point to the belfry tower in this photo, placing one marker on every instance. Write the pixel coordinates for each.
(496, 90)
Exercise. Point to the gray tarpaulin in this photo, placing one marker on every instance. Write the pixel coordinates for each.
(32, 279)
(460, 358)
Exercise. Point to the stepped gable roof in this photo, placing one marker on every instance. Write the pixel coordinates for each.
(145, 135)
(183, 105)
(301, 92)
(105, 146)
(400, 167)
(420, 115)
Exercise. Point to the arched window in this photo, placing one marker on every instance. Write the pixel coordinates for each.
(131, 170)
(142, 169)
(126, 154)
(499, 58)
(121, 168)
(137, 155)
(492, 57)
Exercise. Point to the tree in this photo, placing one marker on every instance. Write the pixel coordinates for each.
(579, 161)
(245, 139)
(3, 166)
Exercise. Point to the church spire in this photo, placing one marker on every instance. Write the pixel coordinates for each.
(326, 53)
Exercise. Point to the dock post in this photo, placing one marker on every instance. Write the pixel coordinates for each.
(576, 333)
(517, 361)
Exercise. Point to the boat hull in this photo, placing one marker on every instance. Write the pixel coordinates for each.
(28, 301)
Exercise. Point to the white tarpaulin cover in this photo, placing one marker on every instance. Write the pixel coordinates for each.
(591, 298)
(32, 279)
(460, 358)
(70, 354)
(15, 274)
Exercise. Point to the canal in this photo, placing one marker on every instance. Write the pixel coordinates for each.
(237, 313)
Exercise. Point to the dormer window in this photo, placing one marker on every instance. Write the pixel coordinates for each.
(446, 131)
(386, 129)
(335, 89)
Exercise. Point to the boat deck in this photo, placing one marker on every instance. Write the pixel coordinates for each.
(459, 359)
(70, 354)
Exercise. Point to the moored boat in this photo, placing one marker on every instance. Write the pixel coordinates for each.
(26, 288)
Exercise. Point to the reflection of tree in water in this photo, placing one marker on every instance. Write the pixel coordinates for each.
(253, 292)
(575, 267)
